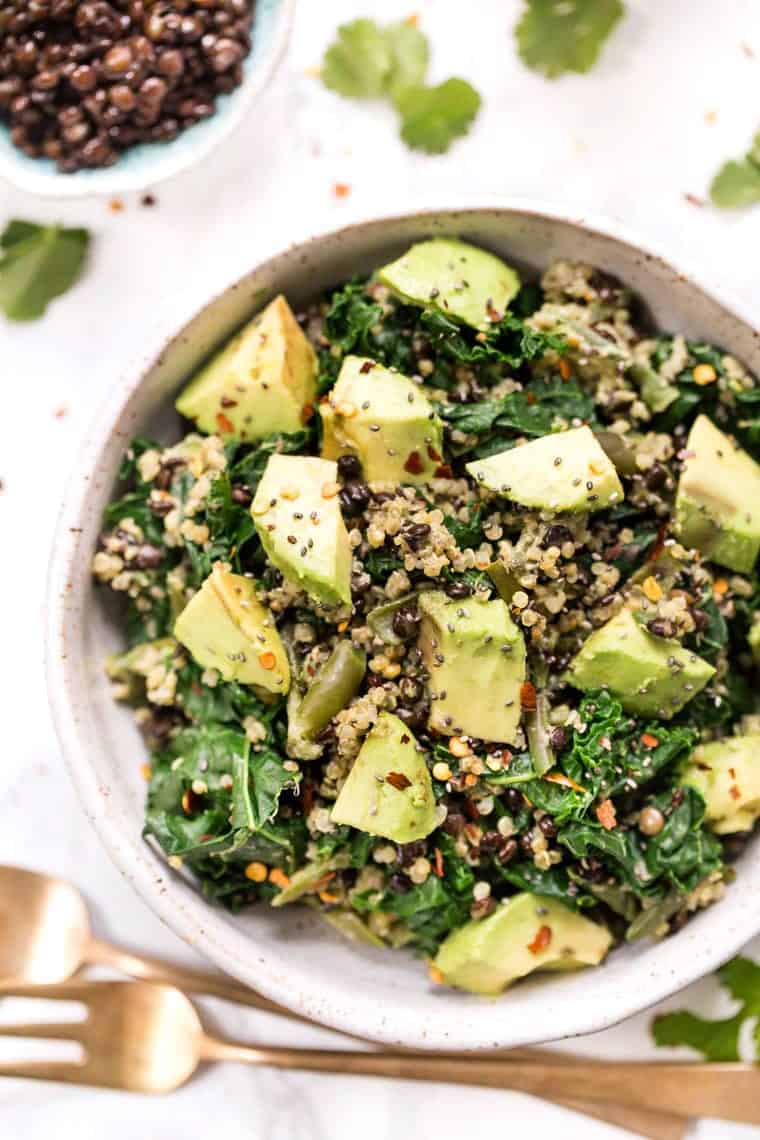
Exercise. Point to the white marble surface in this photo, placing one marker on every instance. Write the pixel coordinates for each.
(675, 94)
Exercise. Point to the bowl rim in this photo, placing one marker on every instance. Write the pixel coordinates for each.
(27, 175)
(127, 850)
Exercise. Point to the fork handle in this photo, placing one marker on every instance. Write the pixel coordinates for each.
(151, 969)
(722, 1091)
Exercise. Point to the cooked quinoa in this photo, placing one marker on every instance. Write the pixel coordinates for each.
(589, 804)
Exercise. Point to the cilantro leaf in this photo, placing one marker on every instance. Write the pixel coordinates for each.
(410, 54)
(432, 117)
(37, 263)
(555, 38)
(737, 183)
(717, 1039)
(358, 62)
(367, 61)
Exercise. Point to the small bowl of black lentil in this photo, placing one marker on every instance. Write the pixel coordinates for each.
(111, 96)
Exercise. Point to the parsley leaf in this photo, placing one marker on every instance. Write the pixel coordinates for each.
(737, 183)
(717, 1040)
(358, 63)
(432, 117)
(368, 61)
(37, 263)
(410, 53)
(555, 38)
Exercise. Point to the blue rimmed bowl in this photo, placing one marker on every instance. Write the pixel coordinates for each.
(144, 166)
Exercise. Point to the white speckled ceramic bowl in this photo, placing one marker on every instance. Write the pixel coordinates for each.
(143, 167)
(291, 956)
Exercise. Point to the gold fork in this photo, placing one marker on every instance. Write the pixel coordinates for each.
(46, 938)
(148, 1038)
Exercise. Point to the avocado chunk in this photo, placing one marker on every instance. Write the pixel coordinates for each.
(388, 791)
(460, 280)
(226, 628)
(297, 515)
(718, 499)
(525, 933)
(726, 773)
(262, 381)
(650, 675)
(753, 639)
(475, 655)
(568, 471)
(386, 420)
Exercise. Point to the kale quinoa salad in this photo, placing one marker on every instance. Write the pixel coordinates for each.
(440, 619)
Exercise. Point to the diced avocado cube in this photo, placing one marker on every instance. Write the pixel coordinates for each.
(226, 628)
(753, 639)
(386, 420)
(718, 499)
(297, 514)
(653, 676)
(388, 791)
(475, 655)
(568, 471)
(727, 775)
(460, 280)
(262, 381)
(524, 934)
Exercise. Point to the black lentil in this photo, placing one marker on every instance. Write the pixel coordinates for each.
(82, 82)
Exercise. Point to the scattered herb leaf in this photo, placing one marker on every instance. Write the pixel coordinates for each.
(556, 38)
(37, 264)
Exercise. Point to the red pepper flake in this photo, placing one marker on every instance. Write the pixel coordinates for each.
(413, 19)
(267, 660)
(444, 471)
(414, 464)
(563, 781)
(541, 941)
(605, 813)
(734, 792)
(59, 413)
(648, 740)
(564, 369)
(438, 865)
(116, 205)
(470, 809)
(224, 423)
(307, 796)
(693, 200)
(341, 189)
(492, 313)
(659, 544)
(366, 367)
(747, 49)
(196, 688)
(528, 695)
(226, 402)
(530, 397)
(732, 773)
(398, 780)
(433, 453)
(405, 739)
(307, 411)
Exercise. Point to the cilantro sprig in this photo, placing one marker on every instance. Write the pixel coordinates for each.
(37, 264)
(737, 183)
(370, 61)
(717, 1039)
(554, 38)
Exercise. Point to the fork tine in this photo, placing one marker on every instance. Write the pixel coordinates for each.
(45, 1071)
(63, 991)
(65, 1029)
